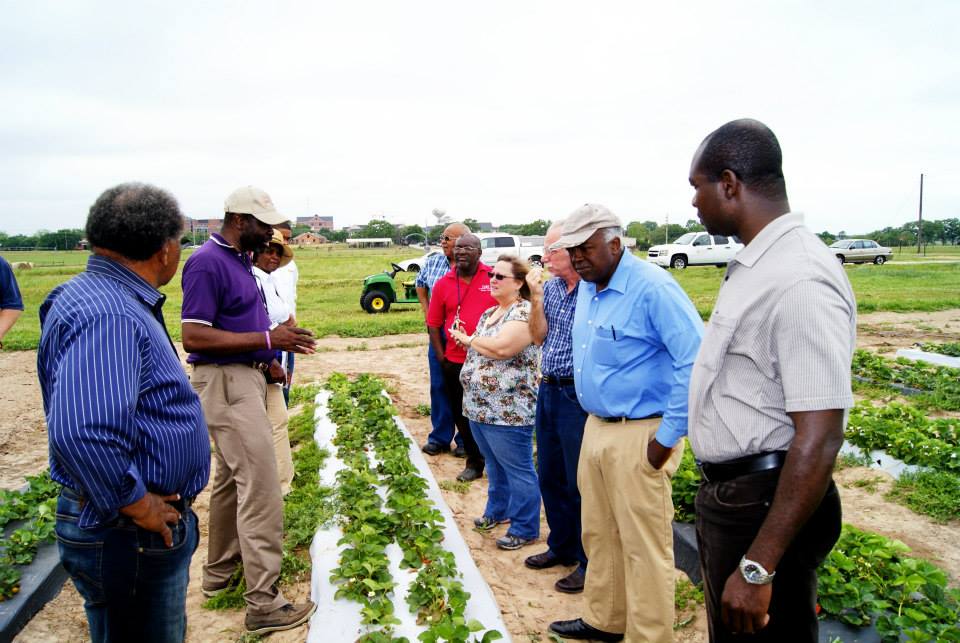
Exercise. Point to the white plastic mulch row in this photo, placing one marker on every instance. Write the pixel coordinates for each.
(918, 355)
(880, 460)
(339, 619)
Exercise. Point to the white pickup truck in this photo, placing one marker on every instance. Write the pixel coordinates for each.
(695, 249)
(495, 244)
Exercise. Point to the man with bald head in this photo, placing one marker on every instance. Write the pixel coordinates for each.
(560, 417)
(768, 396)
(459, 298)
(441, 417)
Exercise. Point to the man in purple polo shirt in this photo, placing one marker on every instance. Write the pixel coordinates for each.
(233, 351)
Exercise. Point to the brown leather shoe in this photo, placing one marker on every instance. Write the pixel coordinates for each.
(286, 618)
(572, 583)
(545, 560)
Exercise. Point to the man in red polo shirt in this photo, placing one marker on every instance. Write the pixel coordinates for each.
(460, 297)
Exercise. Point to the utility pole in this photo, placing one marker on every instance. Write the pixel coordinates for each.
(666, 229)
(920, 217)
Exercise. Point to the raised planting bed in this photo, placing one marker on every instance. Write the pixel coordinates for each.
(30, 570)
(937, 386)
(393, 566)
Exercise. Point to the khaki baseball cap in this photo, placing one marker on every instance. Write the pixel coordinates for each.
(583, 222)
(253, 201)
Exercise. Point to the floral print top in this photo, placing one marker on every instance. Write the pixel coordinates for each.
(501, 391)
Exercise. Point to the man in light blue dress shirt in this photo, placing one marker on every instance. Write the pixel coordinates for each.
(635, 338)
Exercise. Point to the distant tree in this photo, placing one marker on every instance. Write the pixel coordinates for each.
(335, 235)
(694, 225)
(827, 237)
(378, 229)
(951, 231)
(411, 234)
(535, 229)
(473, 224)
(300, 228)
(641, 233)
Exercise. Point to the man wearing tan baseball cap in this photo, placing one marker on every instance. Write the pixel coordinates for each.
(233, 345)
(635, 337)
(253, 201)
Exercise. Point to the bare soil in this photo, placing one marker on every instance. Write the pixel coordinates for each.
(526, 597)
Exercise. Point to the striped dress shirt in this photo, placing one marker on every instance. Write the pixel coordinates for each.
(121, 414)
(559, 307)
(780, 340)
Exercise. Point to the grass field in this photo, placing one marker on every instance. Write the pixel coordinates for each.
(330, 288)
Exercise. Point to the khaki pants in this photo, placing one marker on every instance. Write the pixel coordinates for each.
(277, 413)
(246, 508)
(627, 514)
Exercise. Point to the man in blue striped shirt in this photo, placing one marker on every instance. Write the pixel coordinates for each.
(127, 437)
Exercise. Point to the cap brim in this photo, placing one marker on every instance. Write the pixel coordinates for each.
(270, 218)
(572, 239)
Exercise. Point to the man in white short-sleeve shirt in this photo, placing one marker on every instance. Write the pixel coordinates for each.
(768, 396)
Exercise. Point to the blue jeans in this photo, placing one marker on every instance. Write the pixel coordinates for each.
(512, 491)
(134, 587)
(441, 417)
(286, 389)
(560, 421)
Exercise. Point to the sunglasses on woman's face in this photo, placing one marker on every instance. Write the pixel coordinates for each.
(499, 277)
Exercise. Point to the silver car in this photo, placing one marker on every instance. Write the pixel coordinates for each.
(861, 251)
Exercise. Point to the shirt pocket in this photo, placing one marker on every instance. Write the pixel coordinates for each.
(604, 349)
(716, 341)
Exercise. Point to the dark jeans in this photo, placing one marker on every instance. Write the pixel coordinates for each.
(729, 515)
(441, 417)
(451, 379)
(560, 421)
(134, 587)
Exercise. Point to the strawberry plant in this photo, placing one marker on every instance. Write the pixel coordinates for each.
(35, 508)
(939, 385)
(950, 348)
(376, 453)
(868, 578)
(904, 432)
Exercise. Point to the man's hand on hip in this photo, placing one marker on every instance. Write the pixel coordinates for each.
(743, 607)
(153, 513)
(657, 454)
(293, 339)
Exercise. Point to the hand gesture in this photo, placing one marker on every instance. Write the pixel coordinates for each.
(276, 374)
(293, 339)
(535, 280)
(743, 607)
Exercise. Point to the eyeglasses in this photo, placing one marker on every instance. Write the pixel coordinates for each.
(447, 237)
(499, 277)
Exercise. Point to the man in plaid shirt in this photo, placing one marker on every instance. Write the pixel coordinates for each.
(560, 419)
(441, 417)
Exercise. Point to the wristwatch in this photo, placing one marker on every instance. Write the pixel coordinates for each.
(754, 573)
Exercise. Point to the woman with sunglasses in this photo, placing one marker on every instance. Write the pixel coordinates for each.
(265, 260)
(500, 399)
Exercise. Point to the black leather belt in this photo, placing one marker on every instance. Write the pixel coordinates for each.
(562, 381)
(619, 420)
(723, 471)
(260, 366)
(180, 505)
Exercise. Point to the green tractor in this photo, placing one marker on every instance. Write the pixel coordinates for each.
(380, 291)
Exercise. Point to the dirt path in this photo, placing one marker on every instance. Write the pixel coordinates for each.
(526, 597)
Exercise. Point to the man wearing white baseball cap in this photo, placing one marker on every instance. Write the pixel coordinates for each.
(635, 338)
(227, 331)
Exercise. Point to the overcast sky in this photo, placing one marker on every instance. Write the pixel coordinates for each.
(498, 111)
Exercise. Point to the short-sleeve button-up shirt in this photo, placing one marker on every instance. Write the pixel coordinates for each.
(780, 340)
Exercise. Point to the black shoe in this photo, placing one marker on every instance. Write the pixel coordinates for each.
(573, 583)
(577, 629)
(546, 560)
(433, 448)
(469, 474)
(459, 452)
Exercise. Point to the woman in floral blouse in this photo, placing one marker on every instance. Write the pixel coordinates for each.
(500, 399)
